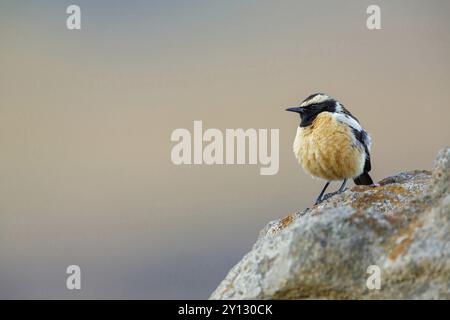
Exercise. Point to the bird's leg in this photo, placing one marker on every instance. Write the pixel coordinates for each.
(341, 189)
(319, 198)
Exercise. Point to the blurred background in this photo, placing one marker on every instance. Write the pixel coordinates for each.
(86, 117)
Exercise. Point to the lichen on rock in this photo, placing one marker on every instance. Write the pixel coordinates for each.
(401, 226)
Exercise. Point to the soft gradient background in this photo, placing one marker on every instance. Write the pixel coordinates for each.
(86, 117)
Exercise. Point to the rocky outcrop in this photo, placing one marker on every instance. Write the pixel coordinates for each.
(400, 226)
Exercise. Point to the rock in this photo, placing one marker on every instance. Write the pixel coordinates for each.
(401, 226)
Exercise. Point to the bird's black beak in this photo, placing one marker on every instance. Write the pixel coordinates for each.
(296, 109)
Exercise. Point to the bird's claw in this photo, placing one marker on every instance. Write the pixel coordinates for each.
(329, 195)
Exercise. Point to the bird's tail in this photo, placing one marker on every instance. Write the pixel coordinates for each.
(364, 179)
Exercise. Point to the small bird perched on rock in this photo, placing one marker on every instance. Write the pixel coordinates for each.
(331, 144)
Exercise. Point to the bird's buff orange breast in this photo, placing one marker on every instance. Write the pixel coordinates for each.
(327, 149)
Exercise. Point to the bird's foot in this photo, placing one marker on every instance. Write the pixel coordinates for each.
(329, 195)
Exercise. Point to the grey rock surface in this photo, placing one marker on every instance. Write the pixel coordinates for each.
(401, 226)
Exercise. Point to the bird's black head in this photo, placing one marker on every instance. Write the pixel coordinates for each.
(310, 108)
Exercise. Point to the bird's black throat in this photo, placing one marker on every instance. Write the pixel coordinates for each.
(310, 113)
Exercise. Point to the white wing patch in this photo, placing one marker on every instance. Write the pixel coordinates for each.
(367, 140)
(344, 118)
(354, 124)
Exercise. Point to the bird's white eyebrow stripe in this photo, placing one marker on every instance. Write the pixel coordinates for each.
(316, 99)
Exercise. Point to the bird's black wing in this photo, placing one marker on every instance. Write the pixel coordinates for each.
(364, 178)
(363, 138)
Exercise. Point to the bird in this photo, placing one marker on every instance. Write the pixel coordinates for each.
(331, 144)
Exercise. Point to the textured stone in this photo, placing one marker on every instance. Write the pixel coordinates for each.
(402, 226)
